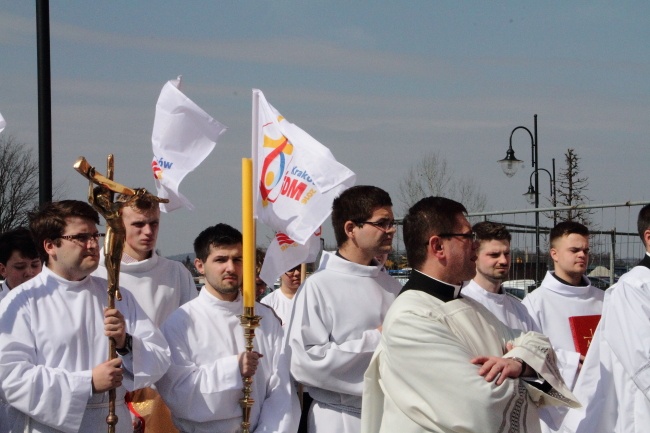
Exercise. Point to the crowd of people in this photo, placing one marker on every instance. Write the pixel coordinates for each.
(449, 351)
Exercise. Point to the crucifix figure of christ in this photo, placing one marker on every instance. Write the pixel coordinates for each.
(101, 192)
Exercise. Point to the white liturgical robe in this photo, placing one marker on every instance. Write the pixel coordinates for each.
(506, 307)
(280, 304)
(421, 378)
(203, 386)
(158, 284)
(551, 305)
(333, 332)
(614, 383)
(51, 337)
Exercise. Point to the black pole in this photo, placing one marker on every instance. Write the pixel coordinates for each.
(535, 165)
(44, 101)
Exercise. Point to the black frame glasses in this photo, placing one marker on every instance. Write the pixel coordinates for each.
(383, 225)
(469, 235)
(83, 237)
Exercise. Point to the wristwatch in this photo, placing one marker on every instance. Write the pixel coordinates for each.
(128, 344)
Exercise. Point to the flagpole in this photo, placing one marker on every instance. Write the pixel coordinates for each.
(248, 320)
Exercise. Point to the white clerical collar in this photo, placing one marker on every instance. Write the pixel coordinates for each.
(456, 288)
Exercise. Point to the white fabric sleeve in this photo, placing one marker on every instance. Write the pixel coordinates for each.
(319, 362)
(197, 392)
(150, 356)
(51, 396)
(281, 409)
(627, 331)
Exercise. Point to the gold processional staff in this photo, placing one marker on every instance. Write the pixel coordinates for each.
(102, 199)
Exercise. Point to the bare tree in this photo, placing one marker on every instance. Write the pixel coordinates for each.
(430, 176)
(570, 190)
(18, 183)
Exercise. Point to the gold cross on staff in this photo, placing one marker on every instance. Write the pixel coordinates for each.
(589, 337)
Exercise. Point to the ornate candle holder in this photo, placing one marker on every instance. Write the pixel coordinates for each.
(249, 321)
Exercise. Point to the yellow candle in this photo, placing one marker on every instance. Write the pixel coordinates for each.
(248, 233)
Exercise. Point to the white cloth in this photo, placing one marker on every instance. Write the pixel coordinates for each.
(333, 332)
(158, 284)
(506, 307)
(52, 336)
(4, 290)
(280, 304)
(551, 305)
(421, 379)
(614, 383)
(203, 386)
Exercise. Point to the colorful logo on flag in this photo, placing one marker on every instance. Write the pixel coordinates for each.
(274, 166)
(283, 239)
(157, 171)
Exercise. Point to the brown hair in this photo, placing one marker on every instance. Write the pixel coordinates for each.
(49, 221)
(428, 217)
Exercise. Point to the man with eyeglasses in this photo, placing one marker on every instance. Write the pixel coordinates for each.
(158, 284)
(444, 362)
(339, 310)
(53, 345)
(281, 300)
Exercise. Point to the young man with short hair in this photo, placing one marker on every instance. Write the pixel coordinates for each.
(565, 292)
(53, 345)
(339, 310)
(19, 259)
(160, 286)
(492, 267)
(204, 383)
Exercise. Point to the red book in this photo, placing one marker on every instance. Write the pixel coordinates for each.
(582, 330)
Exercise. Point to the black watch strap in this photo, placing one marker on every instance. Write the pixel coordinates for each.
(128, 344)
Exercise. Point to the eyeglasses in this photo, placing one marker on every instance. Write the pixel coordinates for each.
(469, 235)
(291, 271)
(83, 238)
(383, 225)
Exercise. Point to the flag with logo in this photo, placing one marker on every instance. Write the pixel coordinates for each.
(183, 136)
(3, 124)
(284, 253)
(296, 177)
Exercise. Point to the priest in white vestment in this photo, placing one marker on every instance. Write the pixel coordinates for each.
(565, 292)
(338, 312)
(203, 386)
(614, 384)
(492, 267)
(445, 363)
(53, 346)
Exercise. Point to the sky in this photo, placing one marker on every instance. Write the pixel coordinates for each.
(381, 84)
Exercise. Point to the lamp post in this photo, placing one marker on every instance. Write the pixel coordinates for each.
(532, 192)
(510, 165)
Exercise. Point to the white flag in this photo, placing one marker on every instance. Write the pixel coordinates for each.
(284, 254)
(183, 136)
(2, 123)
(296, 177)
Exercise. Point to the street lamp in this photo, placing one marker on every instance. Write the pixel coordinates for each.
(532, 192)
(510, 165)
